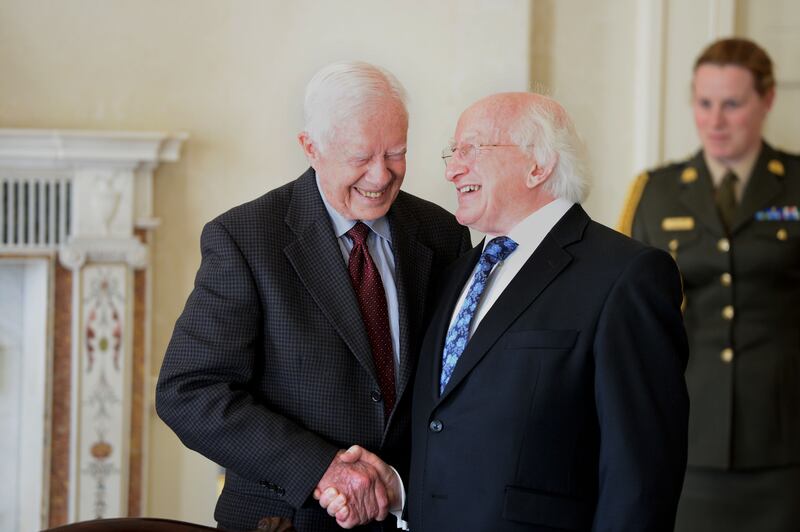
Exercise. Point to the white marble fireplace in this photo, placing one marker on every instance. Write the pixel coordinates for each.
(75, 221)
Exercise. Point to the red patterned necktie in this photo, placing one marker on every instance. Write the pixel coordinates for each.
(372, 302)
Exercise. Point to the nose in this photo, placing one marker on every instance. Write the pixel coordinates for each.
(717, 116)
(454, 168)
(378, 173)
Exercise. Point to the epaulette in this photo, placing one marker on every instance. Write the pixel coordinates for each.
(635, 191)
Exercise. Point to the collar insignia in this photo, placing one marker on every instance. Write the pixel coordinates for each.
(776, 167)
(689, 175)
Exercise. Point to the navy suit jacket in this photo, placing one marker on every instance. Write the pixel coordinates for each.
(568, 408)
(269, 370)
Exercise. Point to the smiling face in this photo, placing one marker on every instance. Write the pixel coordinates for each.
(495, 187)
(362, 165)
(728, 111)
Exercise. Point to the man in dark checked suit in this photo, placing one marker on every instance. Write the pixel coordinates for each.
(549, 393)
(300, 336)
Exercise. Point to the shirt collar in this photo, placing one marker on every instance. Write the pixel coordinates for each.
(742, 168)
(342, 224)
(533, 229)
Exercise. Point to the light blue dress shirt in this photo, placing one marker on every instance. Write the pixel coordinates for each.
(379, 243)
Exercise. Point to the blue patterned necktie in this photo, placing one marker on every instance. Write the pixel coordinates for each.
(497, 250)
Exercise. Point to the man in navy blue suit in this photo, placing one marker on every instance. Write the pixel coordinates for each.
(549, 392)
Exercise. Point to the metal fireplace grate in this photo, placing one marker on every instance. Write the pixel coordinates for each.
(35, 213)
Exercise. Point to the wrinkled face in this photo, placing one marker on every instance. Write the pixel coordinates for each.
(728, 111)
(362, 165)
(491, 186)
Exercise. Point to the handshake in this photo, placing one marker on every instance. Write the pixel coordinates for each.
(359, 487)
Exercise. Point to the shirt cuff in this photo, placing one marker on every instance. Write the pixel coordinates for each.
(398, 512)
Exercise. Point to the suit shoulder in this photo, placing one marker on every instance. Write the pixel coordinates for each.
(787, 163)
(618, 247)
(671, 174)
(431, 219)
(266, 211)
(423, 210)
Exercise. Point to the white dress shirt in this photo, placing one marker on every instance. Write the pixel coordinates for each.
(528, 234)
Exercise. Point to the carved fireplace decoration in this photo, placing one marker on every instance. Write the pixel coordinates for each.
(75, 223)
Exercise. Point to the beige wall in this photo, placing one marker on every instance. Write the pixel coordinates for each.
(232, 73)
(582, 55)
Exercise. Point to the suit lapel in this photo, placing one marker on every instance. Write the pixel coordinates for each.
(762, 187)
(546, 263)
(317, 259)
(697, 195)
(413, 262)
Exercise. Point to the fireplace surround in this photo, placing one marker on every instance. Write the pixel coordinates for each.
(75, 225)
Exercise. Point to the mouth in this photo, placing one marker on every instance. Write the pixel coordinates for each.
(466, 189)
(370, 194)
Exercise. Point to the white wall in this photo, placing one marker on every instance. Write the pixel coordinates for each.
(583, 55)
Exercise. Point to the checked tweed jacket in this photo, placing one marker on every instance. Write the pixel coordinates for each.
(269, 370)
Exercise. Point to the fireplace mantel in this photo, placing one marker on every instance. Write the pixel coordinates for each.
(81, 193)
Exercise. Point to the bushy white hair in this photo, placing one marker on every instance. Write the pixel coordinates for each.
(550, 134)
(340, 90)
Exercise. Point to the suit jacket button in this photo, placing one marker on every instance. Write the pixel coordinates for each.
(376, 396)
(436, 426)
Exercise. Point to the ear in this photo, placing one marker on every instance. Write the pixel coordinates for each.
(540, 173)
(309, 147)
(769, 98)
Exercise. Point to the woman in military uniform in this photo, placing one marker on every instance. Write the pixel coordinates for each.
(729, 216)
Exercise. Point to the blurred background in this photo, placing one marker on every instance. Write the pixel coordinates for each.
(231, 75)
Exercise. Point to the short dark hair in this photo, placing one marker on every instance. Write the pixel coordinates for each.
(744, 53)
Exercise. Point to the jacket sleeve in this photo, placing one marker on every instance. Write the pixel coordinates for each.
(202, 391)
(641, 353)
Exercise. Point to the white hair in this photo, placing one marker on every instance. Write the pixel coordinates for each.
(340, 90)
(552, 136)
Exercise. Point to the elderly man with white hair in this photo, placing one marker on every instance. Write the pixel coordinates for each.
(300, 336)
(549, 393)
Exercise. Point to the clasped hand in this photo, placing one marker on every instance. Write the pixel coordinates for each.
(358, 487)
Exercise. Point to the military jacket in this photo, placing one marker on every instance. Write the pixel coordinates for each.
(741, 306)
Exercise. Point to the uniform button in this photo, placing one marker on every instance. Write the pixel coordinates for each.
(724, 245)
(726, 355)
(375, 395)
(727, 312)
(725, 279)
(782, 234)
(673, 244)
(436, 426)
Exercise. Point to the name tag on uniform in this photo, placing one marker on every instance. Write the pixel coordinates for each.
(678, 223)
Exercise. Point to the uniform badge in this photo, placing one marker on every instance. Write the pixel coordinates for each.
(788, 213)
(689, 175)
(776, 167)
(678, 223)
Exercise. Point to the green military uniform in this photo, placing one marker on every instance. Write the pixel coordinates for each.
(741, 310)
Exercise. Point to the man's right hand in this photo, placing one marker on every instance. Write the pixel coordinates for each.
(353, 490)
